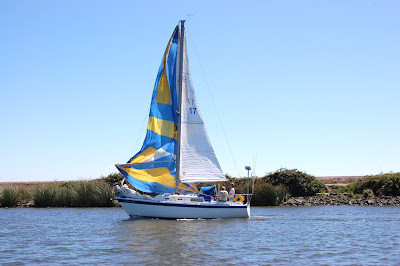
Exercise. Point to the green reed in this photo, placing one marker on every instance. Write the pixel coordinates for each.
(9, 197)
(45, 196)
(93, 193)
(96, 193)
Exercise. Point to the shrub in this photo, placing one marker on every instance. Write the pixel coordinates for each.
(346, 189)
(367, 193)
(381, 185)
(282, 193)
(10, 197)
(298, 183)
(113, 179)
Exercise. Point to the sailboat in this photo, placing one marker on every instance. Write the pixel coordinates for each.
(176, 154)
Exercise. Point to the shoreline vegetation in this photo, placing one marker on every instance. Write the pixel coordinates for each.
(283, 187)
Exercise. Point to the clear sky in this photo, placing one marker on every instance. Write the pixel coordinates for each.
(311, 85)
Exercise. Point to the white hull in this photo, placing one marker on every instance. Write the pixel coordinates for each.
(178, 210)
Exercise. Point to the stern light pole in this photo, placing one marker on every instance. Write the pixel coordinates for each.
(248, 168)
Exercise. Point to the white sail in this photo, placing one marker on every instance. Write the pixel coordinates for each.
(198, 160)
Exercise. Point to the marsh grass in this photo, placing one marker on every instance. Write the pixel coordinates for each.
(104, 194)
(267, 194)
(64, 195)
(93, 193)
(96, 193)
(10, 197)
(45, 196)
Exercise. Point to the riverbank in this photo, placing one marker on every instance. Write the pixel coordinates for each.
(340, 199)
(322, 199)
(329, 181)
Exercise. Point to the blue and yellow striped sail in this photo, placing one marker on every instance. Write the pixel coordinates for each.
(152, 169)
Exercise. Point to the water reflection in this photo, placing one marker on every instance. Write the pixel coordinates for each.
(173, 241)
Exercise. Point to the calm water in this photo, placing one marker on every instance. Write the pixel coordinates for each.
(312, 235)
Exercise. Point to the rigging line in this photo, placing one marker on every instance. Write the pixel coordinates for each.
(254, 164)
(212, 99)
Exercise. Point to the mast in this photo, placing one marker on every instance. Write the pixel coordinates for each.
(180, 85)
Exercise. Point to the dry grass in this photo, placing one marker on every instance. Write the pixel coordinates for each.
(333, 182)
(25, 186)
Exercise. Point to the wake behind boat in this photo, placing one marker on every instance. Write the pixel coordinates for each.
(177, 153)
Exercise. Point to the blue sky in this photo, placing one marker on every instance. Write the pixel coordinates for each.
(311, 85)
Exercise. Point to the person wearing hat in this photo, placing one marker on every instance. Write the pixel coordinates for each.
(223, 195)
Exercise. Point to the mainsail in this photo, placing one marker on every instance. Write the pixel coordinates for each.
(153, 168)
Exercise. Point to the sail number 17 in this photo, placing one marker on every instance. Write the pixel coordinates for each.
(193, 110)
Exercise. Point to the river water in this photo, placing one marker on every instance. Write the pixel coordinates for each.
(293, 235)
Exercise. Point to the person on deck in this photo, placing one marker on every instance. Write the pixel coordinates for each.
(232, 192)
(222, 195)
